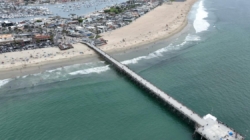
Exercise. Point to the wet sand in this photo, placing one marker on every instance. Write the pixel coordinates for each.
(160, 23)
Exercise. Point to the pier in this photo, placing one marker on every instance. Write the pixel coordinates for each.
(208, 127)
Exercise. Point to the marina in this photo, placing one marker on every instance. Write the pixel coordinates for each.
(57, 31)
(11, 11)
(19, 12)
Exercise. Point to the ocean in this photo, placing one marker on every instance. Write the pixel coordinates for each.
(206, 67)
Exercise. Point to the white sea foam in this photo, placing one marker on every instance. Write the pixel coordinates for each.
(3, 82)
(182, 44)
(24, 76)
(134, 60)
(91, 70)
(192, 38)
(36, 74)
(149, 56)
(54, 70)
(200, 24)
(157, 53)
(160, 52)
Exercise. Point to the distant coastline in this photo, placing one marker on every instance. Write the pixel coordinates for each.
(162, 22)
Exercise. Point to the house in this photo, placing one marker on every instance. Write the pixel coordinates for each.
(73, 22)
(109, 23)
(41, 37)
(86, 33)
(9, 38)
(24, 35)
(51, 26)
(7, 24)
(74, 34)
(100, 42)
(79, 28)
(65, 46)
(102, 28)
(91, 28)
(6, 38)
(130, 19)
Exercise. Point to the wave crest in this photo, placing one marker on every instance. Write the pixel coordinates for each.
(200, 24)
(4, 82)
(91, 70)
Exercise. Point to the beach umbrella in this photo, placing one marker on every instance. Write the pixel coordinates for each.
(230, 133)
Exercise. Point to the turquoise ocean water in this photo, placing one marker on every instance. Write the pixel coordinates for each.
(206, 68)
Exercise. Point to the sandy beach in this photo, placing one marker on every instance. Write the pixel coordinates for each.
(162, 22)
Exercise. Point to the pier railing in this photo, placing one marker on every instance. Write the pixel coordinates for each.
(208, 127)
(159, 93)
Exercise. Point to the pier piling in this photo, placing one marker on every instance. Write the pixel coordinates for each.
(207, 127)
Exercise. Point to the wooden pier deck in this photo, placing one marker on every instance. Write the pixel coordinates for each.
(208, 126)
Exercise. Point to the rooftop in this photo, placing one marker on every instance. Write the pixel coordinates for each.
(215, 130)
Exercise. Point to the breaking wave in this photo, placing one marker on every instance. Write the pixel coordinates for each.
(54, 70)
(157, 53)
(149, 56)
(192, 38)
(91, 70)
(66, 72)
(200, 24)
(4, 82)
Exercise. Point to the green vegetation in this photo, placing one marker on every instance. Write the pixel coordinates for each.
(171, 1)
(38, 20)
(80, 20)
(116, 10)
(98, 36)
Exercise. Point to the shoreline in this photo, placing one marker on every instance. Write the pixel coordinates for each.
(70, 57)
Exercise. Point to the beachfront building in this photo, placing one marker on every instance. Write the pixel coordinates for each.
(39, 37)
(7, 23)
(6, 38)
(55, 31)
(65, 46)
(9, 38)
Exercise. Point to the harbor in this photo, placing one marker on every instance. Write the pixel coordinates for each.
(20, 11)
(59, 32)
(11, 11)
